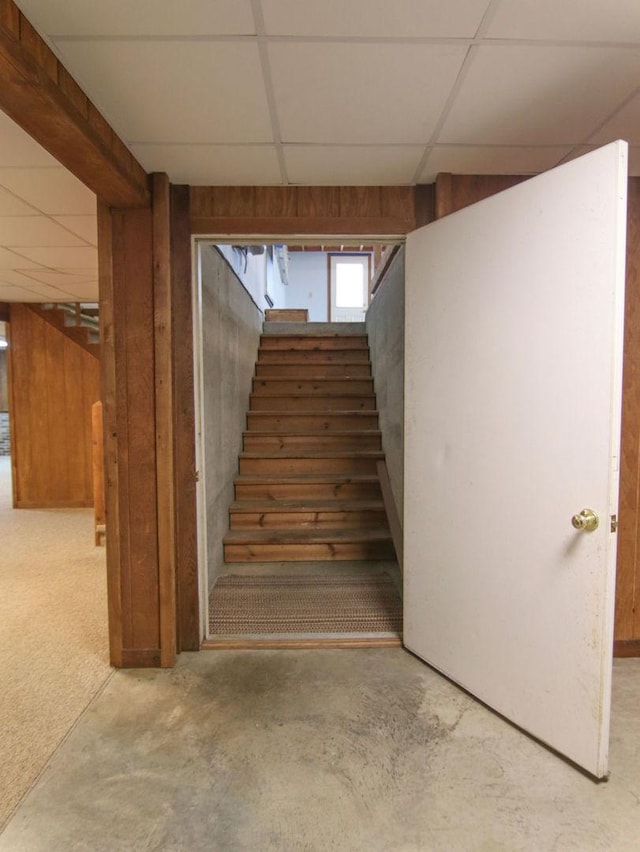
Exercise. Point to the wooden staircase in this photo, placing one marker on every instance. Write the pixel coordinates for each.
(308, 488)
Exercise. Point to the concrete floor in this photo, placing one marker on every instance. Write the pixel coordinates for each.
(320, 750)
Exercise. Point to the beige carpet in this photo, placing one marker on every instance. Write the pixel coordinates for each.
(53, 634)
(334, 603)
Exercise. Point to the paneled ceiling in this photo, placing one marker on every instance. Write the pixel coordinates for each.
(322, 92)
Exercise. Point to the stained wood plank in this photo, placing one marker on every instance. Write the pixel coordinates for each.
(164, 417)
(116, 548)
(318, 210)
(50, 418)
(627, 624)
(135, 311)
(188, 620)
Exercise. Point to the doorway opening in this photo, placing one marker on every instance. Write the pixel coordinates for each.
(294, 540)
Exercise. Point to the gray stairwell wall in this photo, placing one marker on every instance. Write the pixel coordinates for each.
(385, 327)
(231, 327)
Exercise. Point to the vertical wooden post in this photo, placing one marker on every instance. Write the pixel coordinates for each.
(162, 328)
(184, 424)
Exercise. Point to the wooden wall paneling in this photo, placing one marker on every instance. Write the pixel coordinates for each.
(4, 312)
(453, 192)
(163, 333)
(4, 390)
(81, 391)
(116, 549)
(188, 619)
(628, 576)
(28, 426)
(52, 380)
(91, 393)
(39, 94)
(384, 211)
(280, 201)
(55, 406)
(424, 204)
(318, 202)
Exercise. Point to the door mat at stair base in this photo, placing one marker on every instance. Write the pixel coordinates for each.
(318, 603)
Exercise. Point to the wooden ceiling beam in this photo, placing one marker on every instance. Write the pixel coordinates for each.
(40, 95)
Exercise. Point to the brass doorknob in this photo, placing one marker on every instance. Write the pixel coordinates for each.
(587, 520)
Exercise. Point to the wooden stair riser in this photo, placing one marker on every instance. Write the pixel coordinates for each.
(306, 342)
(340, 519)
(313, 442)
(296, 552)
(321, 386)
(312, 402)
(301, 490)
(310, 356)
(313, 371)
(303, 466)
(286, 315)
(265, 421)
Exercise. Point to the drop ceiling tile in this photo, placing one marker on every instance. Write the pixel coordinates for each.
(523, 95)
(175, 91)
(143, 17)
(426, 18)
(60, 279)
(17, 279)
(314, 164)
(15, 260)
(361, 93)
(63, 258)
(17, 294)
(50, 294)
(52, 191)
(85, 292)
(21, 231)
(19, 149)
(479, 160)
(10, 205)
(207, 165)
(85, 227)
(624, 125)
(573, 20)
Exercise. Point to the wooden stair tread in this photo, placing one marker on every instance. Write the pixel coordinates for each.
(286, 412)
(306, 505)
(247, 478)
(307, 454)
(314, 394)
(308, 536)
(312, 433)
(323, 335)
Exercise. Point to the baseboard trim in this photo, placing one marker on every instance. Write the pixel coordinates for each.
(626, 648)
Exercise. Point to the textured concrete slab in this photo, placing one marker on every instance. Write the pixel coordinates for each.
(320, 750)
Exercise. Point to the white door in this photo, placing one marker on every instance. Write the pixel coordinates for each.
(348, 287)
(514, 312)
